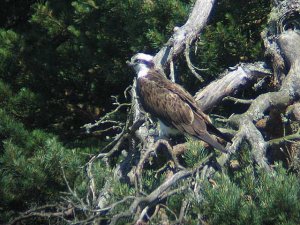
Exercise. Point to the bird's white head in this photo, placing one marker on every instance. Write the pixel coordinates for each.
(141, 63)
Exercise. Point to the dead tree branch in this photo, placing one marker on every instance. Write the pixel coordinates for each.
(161, 192)
(230, 83)
(53, 211)
(289, 44)
(187, 33)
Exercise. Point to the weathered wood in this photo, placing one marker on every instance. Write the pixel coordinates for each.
(185, 34)
(230, 83)
(288, 43)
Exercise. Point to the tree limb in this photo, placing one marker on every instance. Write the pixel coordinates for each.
(230, 83)
(187, 33)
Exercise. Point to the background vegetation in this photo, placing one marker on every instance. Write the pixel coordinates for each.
(60, 62)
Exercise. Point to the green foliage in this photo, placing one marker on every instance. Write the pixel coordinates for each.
(279, 197)
(196, 152)
(226, 44)
(227, 204)
(151, 180)
(233, 36)
(13, 13)
(10, 43)
(244, 194)
(273, 199)
(30, 166)
(72, 54)
(60, 61)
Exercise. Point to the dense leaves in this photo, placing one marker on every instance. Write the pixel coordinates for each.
(72, 54)
(60, 61)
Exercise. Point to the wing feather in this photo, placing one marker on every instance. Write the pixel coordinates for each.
(162, 103)
(176, 107)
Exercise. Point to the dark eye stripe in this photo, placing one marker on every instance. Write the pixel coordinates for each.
(148, 63)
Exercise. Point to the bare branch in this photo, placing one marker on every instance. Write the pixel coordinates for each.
(230, 83)
(40, 212)
(162, 191)
(189, 63)
(237, 100)
(186, 34)
(288, 138)
(172, 71)
(74, 194)
(105, 118)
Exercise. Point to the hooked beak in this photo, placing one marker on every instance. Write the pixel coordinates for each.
(129, 63)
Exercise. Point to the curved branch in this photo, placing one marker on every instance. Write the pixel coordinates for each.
(187, 33)
(161, 192)
(230, 83)
(289, 92)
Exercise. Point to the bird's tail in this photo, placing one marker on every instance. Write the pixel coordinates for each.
(211, 128)
(208, 139)
(201, 130)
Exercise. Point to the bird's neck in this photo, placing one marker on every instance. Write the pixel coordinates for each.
(142, 70)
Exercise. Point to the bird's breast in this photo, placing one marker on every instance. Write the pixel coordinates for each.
(166, 131)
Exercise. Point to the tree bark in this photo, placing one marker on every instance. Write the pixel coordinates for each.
(185, 34)
(231, 82)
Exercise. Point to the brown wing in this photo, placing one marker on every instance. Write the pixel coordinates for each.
(173, 109)
(180, 91)
(188, 98)
(168, 106)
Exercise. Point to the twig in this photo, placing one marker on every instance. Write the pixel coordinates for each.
(143, 214)
(171, 211)
(170, 150)
(74, 194)
(225, 120)
(172, 72)
(119, 140)
(101, 212)
(92, 185)
(105, 118)
(147, 153)
(288, 138)
(237, 100)
(161, 192)
(231, 132)
(34, 213)
(189, 63)
(127, 90)
(119, 127)
(182, 210)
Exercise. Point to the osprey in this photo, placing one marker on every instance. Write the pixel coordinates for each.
(175, 108)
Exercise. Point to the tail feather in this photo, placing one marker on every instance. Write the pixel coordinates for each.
(200, 129)
(208, 139)
(211, 128)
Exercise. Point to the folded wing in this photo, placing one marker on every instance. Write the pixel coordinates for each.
(175, 107)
